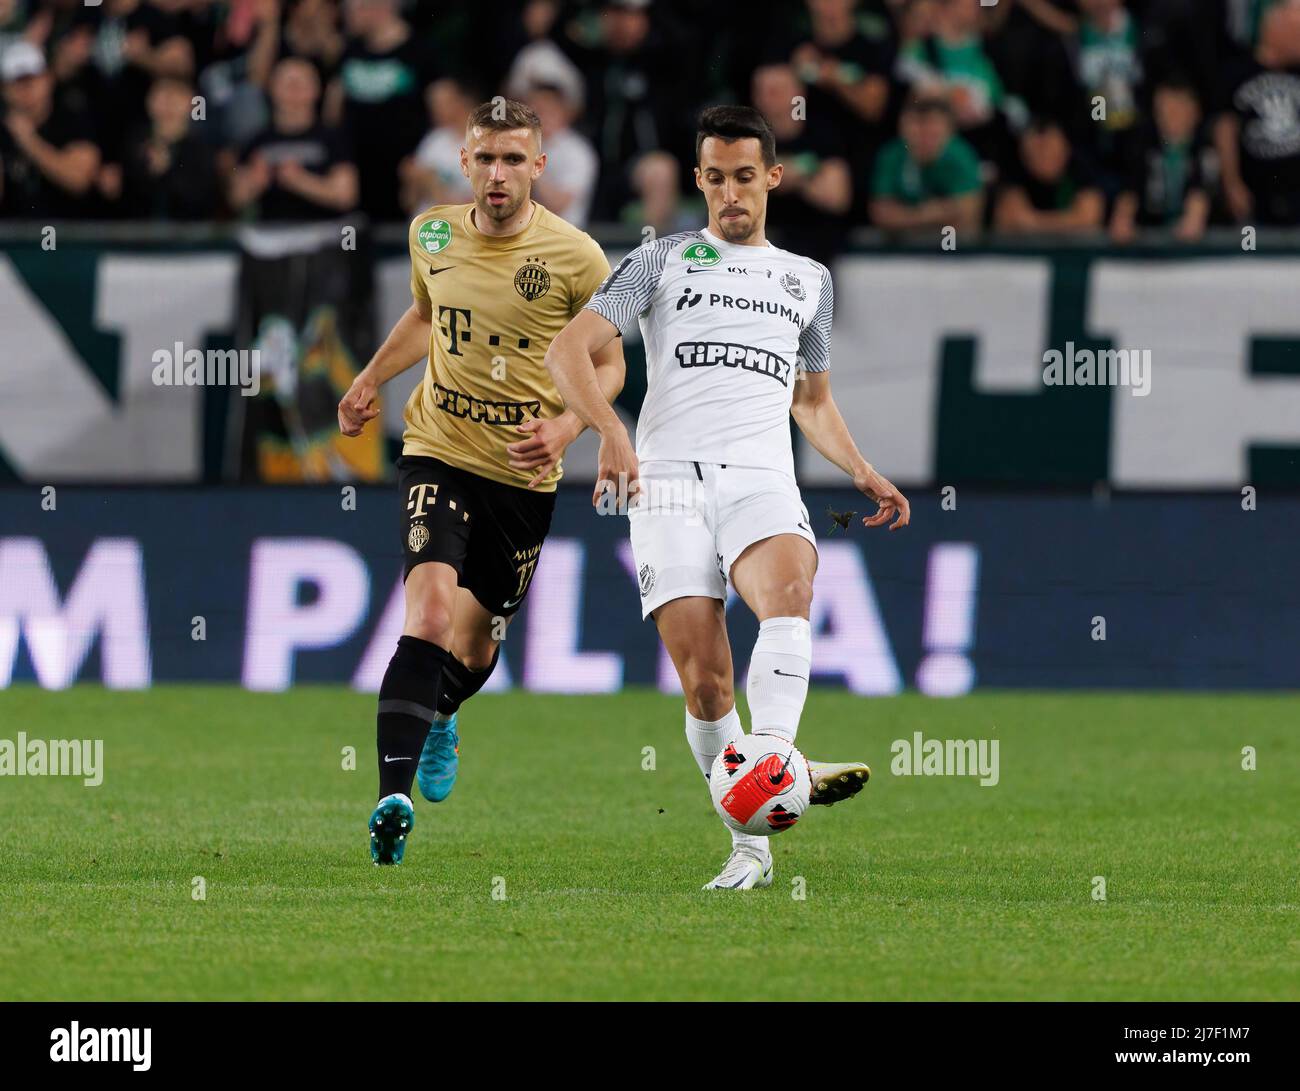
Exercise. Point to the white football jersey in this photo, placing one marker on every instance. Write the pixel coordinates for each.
(726, 329)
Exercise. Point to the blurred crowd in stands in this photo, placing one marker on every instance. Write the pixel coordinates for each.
(1028, 116)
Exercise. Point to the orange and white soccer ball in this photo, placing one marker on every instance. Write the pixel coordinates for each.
(760, 785)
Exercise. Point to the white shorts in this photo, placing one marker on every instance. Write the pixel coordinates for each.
(691, 520)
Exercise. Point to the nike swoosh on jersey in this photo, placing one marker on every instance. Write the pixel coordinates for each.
(434, 272)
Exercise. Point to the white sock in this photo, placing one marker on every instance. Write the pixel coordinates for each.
(778, 676)
(707, 739)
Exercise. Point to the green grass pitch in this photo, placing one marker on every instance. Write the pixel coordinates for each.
(921, 888)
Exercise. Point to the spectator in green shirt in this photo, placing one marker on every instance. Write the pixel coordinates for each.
(947, 52)
(929, 177)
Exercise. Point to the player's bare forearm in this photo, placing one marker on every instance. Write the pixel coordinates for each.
(548, 439)
(406, 344)
(818, 417)
(611, 373)
(571, 362)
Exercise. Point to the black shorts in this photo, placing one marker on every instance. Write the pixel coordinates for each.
(490, 533)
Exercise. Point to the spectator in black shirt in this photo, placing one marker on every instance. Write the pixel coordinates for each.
(1036, 70)
(1052, 188)
(379, 96)
(842, 65)
(81, 86)
(1164, 186)
(308, 29)
(166, 172)
(296, 169)
(48, 158)
(1107, 52)
(169, 39)
(636, 114)
(848, 76)
(1258, 133)
(816, 190)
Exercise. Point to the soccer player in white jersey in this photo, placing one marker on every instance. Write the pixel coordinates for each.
(737, 340)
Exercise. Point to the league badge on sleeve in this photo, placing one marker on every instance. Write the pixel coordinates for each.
(701, 253)
(434, 236)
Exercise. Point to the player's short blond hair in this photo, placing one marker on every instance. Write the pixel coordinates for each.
(503, 114)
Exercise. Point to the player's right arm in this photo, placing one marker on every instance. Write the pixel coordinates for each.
(625, 294)
(570, 360)
(405, 346)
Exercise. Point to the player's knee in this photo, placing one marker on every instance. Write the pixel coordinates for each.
(793, 598)
(429, 621)
(709, 695)
(477, 655)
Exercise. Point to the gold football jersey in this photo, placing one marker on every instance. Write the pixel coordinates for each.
(496, 304)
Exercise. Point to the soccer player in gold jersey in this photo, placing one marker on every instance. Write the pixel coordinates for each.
(493, 282)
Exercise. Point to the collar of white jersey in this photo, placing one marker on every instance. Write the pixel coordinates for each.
(733, 245)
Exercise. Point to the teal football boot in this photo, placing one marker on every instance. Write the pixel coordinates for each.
(439, 760)
(389, 826)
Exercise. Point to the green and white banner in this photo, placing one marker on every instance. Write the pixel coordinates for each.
(1046, 368)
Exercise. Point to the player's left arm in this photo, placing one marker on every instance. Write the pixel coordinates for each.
(819, 419)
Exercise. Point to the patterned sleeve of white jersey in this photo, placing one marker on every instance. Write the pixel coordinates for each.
(629, 287)
(815, 340)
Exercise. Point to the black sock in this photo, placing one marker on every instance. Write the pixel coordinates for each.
(459, 683)
(407, 698)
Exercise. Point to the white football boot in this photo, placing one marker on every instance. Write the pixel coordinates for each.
(744, 870)
(833, 781)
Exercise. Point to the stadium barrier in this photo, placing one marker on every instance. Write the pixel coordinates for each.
(271, 587)
(976, 366)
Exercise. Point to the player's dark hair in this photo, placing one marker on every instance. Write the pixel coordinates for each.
(732, 123)
(501, 115)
